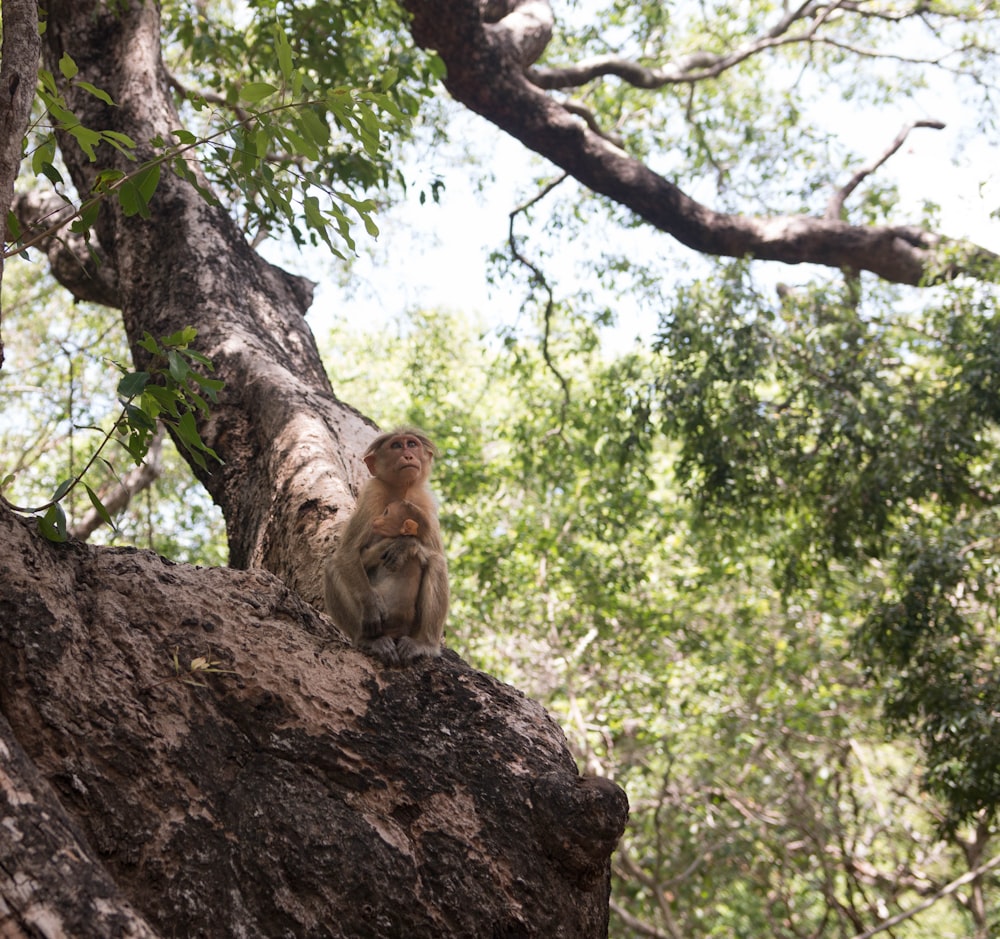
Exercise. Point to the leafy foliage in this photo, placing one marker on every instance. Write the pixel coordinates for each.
(172, 391)
(766, 799)
(304, 102)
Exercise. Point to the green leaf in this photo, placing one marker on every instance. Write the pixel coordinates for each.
(129, 199)
(389, 77)
(147, 181)
(88, 216)
(133, 384)
(67, 66)
(150, 344)
(106, 179)
(52, 174)
(87, 139)
(156, 398)
(254, 92)
(53, 524)
(95, 501)
(62, 489)
(138, 419)
(284, 50)
(120, 141)
(93, 90)
(179, 369)
(181, 338)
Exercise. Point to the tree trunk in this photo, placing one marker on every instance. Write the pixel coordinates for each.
(18, 72)
(198, 752)
(287, 444)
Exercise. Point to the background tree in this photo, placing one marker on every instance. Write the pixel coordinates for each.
(766, 797)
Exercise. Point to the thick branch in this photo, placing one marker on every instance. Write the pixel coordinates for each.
(51, 883)
(486, 75)
(81, 266)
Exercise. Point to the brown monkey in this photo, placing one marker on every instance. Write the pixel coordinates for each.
(400, 463)
(400, 518)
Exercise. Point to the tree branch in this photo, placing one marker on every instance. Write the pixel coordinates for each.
(835, 207)
(80, 264)
(956, 884)
(488, 76)
(701, 64)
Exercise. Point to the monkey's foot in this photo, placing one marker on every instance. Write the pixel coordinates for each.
(384, 649)
(411, 650)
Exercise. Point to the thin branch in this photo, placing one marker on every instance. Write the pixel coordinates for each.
(700, 65)
(956, 884)
(835, 207)
(539, 280)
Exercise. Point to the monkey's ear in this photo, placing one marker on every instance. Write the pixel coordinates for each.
(369, 459)
(410, 527)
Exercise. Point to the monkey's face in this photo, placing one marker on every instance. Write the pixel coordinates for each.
(408, 453)
(401, 460)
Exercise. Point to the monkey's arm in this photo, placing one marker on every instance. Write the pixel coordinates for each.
(350, 599)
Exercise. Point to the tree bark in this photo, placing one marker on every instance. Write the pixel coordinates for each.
(198, 752)
(488, 48)
(18, 72)
(291, 787)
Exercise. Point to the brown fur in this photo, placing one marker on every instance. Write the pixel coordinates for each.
(389, 592)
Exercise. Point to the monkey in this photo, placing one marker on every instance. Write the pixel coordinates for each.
(358, 599)
(400, 518)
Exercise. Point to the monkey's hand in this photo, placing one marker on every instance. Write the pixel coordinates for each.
(373, 618)
(398, 552)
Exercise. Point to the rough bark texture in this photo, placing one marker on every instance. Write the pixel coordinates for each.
(18, 68)
(304, 791)
(488, 47)
(294, 788)
(288, 445)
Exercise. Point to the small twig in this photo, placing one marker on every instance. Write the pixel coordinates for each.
(836, 204)
(539, 280)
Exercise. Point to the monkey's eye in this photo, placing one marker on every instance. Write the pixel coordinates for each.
(413, 443)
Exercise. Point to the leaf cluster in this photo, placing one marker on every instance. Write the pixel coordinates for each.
(173, 391)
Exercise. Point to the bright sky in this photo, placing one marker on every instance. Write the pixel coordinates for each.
(437, 255)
